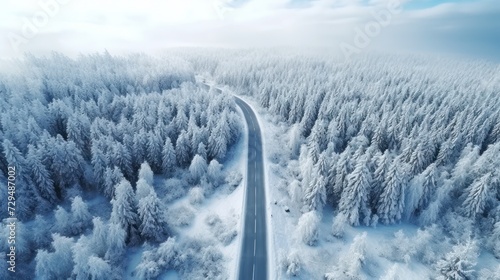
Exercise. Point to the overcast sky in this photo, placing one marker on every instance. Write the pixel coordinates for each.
(76, 26)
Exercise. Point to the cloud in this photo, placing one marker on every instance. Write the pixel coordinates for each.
(152, 25)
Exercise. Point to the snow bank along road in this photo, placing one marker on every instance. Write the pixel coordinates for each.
(253, 262)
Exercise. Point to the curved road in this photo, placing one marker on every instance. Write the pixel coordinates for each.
(253, 262)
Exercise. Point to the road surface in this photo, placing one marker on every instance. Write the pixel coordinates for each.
(253, 262)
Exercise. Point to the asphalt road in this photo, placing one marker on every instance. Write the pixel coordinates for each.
(253, 262)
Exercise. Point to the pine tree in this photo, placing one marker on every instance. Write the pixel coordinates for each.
(343, 168)
(116, 239)
(122, 158)
(214, 172)
(81, 254)
(318, 135)
(217, 142)
(354, 199)
(79, 132)
(80, 215)
(153, 224)
(295, 140)
(315, 193)
(383, 162)
(182, 149)
(12, 154)
(40, 175)
(99, 268)
(111, 178)
(140, 147)
(308, 227)
(143, 189)
(98, 238)
(98, 163)
(154, 151)
(314, 152)
(430, 178)
(66, 162)
(169, 158)
(391, 202)
(57, 264)
(419, 160)
(124, 211)
(478, 195)
(202, 151)
(146, 173)
(198, 168)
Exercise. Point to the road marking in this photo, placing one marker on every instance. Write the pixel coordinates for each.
(254, 246)
(253, 272)
(255, 225)
(255, 193)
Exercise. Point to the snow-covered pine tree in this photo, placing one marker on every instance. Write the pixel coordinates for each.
(40, 175)
(479, 194)
(198, 168)
(429, 178)
(354, 199)
(146, 173)
(217, 142)
(140, 147)
(315, 192)
(318, 135)
(78, 130)
(308, 227)
(98, 237)
(80, 216)
(66, 162)
(99, 268)
(392, 199)
(295, 140)
(314, 152)
(81, 254)
(111, 178)
(215, 174)
(116, 243)
(57, 264)
(463, 173)
(98, 162)
(124, 210)
(153, 226)
(382, 166)
(182, 149)
(169, 158)
(343, 168)
(202, 151)
(154, 151)
(122, 158)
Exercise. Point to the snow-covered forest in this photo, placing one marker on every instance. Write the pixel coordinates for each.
(104, 146)
(101, 144)
(385, 139)
(377, 141)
